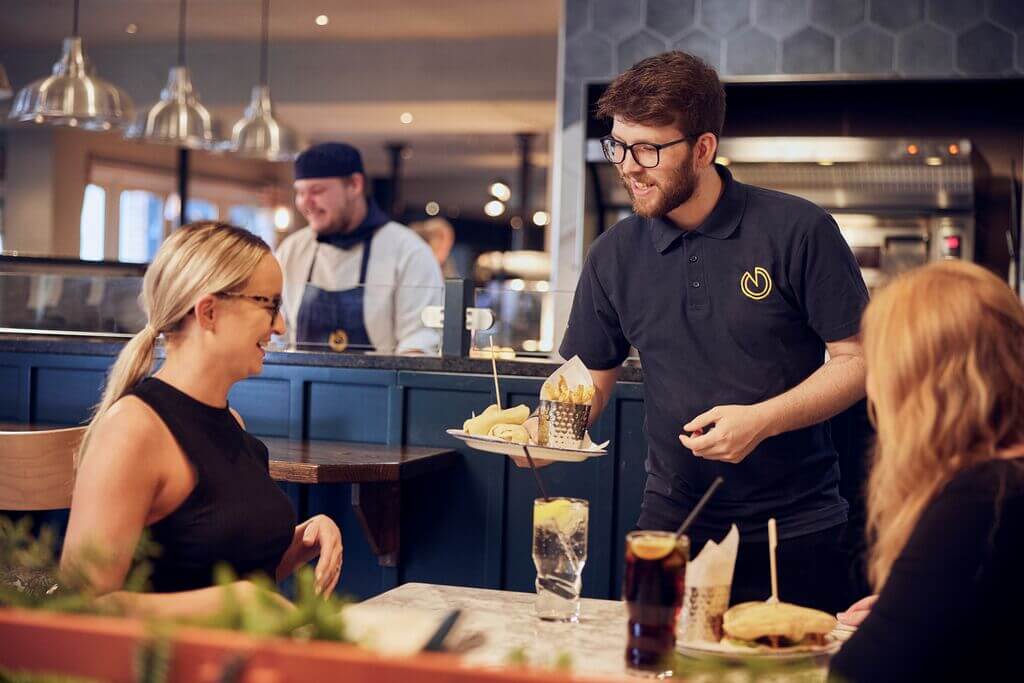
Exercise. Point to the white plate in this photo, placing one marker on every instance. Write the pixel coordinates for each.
(491, 444)
(726, 651)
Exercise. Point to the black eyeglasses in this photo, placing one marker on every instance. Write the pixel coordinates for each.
(646, 154)
(271, 304)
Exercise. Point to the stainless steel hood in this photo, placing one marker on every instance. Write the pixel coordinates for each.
(840, 173)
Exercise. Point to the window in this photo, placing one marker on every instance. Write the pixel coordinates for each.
(141, 226)
(145, 208)
(92, 223)
(201, 210)
(254, 219)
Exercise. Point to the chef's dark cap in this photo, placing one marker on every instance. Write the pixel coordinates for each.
(328, 160)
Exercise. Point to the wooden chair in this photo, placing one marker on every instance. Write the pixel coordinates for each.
(37, 468)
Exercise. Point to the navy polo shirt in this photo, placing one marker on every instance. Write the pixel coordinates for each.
(735, 312)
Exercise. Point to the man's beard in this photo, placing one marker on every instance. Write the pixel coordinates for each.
(668, 195)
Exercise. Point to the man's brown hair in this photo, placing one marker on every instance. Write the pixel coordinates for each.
(673, 88)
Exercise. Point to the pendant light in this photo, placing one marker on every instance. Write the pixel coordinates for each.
(258, 135)
(72, 95)
(178, 118)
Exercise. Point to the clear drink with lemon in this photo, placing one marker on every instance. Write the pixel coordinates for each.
(653, 590)
(559, 553)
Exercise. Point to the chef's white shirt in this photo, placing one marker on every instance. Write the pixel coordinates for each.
(402, 278)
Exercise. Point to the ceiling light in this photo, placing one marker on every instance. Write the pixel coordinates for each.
(494, 208)
(432, 208)
(912, 149)
(516, 285)
(933, 161)
(131, 29)
(500, 190)
(541, 218)
(516, 222)
(954, 149)
(178, 118)
(322, 20)
(406, 117)
(72, 95)
(258, 135)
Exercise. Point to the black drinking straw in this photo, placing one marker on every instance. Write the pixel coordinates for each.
(697, 508)
(536, 474)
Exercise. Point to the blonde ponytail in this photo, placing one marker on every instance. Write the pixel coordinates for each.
(198, 259)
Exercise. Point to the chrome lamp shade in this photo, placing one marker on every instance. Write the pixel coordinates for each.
(73, 96)
(258, 135)
(178, 118)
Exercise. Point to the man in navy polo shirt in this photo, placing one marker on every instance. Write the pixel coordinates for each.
(732, 294)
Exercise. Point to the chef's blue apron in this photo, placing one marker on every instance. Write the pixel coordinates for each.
(334, 318)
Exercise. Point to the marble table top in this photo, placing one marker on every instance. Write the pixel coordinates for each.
(507, 623)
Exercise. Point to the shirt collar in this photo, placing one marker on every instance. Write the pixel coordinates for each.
(720, 224)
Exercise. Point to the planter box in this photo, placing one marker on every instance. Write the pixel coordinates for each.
(104, 648)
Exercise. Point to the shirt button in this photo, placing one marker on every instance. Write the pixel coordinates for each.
(695, 284)
(693, 259)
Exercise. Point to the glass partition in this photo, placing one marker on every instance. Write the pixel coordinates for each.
(395, 320)
(76, 304)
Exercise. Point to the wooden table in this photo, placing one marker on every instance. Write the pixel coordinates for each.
(375, 472)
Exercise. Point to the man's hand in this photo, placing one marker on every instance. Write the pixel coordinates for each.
(726, 433)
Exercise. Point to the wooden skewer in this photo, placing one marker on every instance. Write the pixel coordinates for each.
(494, 369)
(773, 544)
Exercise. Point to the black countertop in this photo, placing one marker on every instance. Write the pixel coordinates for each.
(523, 367)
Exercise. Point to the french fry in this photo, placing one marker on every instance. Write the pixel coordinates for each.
(560, 391)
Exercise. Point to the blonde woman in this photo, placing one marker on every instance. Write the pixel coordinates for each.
(167, 453)
(945, 355)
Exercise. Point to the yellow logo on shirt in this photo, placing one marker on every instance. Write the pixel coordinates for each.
(756, 286)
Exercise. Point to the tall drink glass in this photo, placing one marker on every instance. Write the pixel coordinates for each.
(559, 553)
(653, 590)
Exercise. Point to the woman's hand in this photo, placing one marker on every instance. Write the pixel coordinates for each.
(319, 537)
(858, 611)
(323, 538)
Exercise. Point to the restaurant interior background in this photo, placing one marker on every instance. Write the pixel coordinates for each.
(912, 101)
(476, 112)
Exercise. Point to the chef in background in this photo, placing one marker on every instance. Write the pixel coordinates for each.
(354, 278)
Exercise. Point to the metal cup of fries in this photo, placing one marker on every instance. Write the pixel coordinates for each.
(564, 413)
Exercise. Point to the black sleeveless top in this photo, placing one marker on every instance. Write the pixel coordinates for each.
(236, 514)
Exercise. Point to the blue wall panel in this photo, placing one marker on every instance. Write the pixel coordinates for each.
(264, 404)
(347, 412)
(459, 540)
(361, 575)
(11, 392)
(630, 455)
(65, 396)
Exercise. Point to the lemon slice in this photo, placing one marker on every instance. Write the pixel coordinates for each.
(651, 547)
(558, 511)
